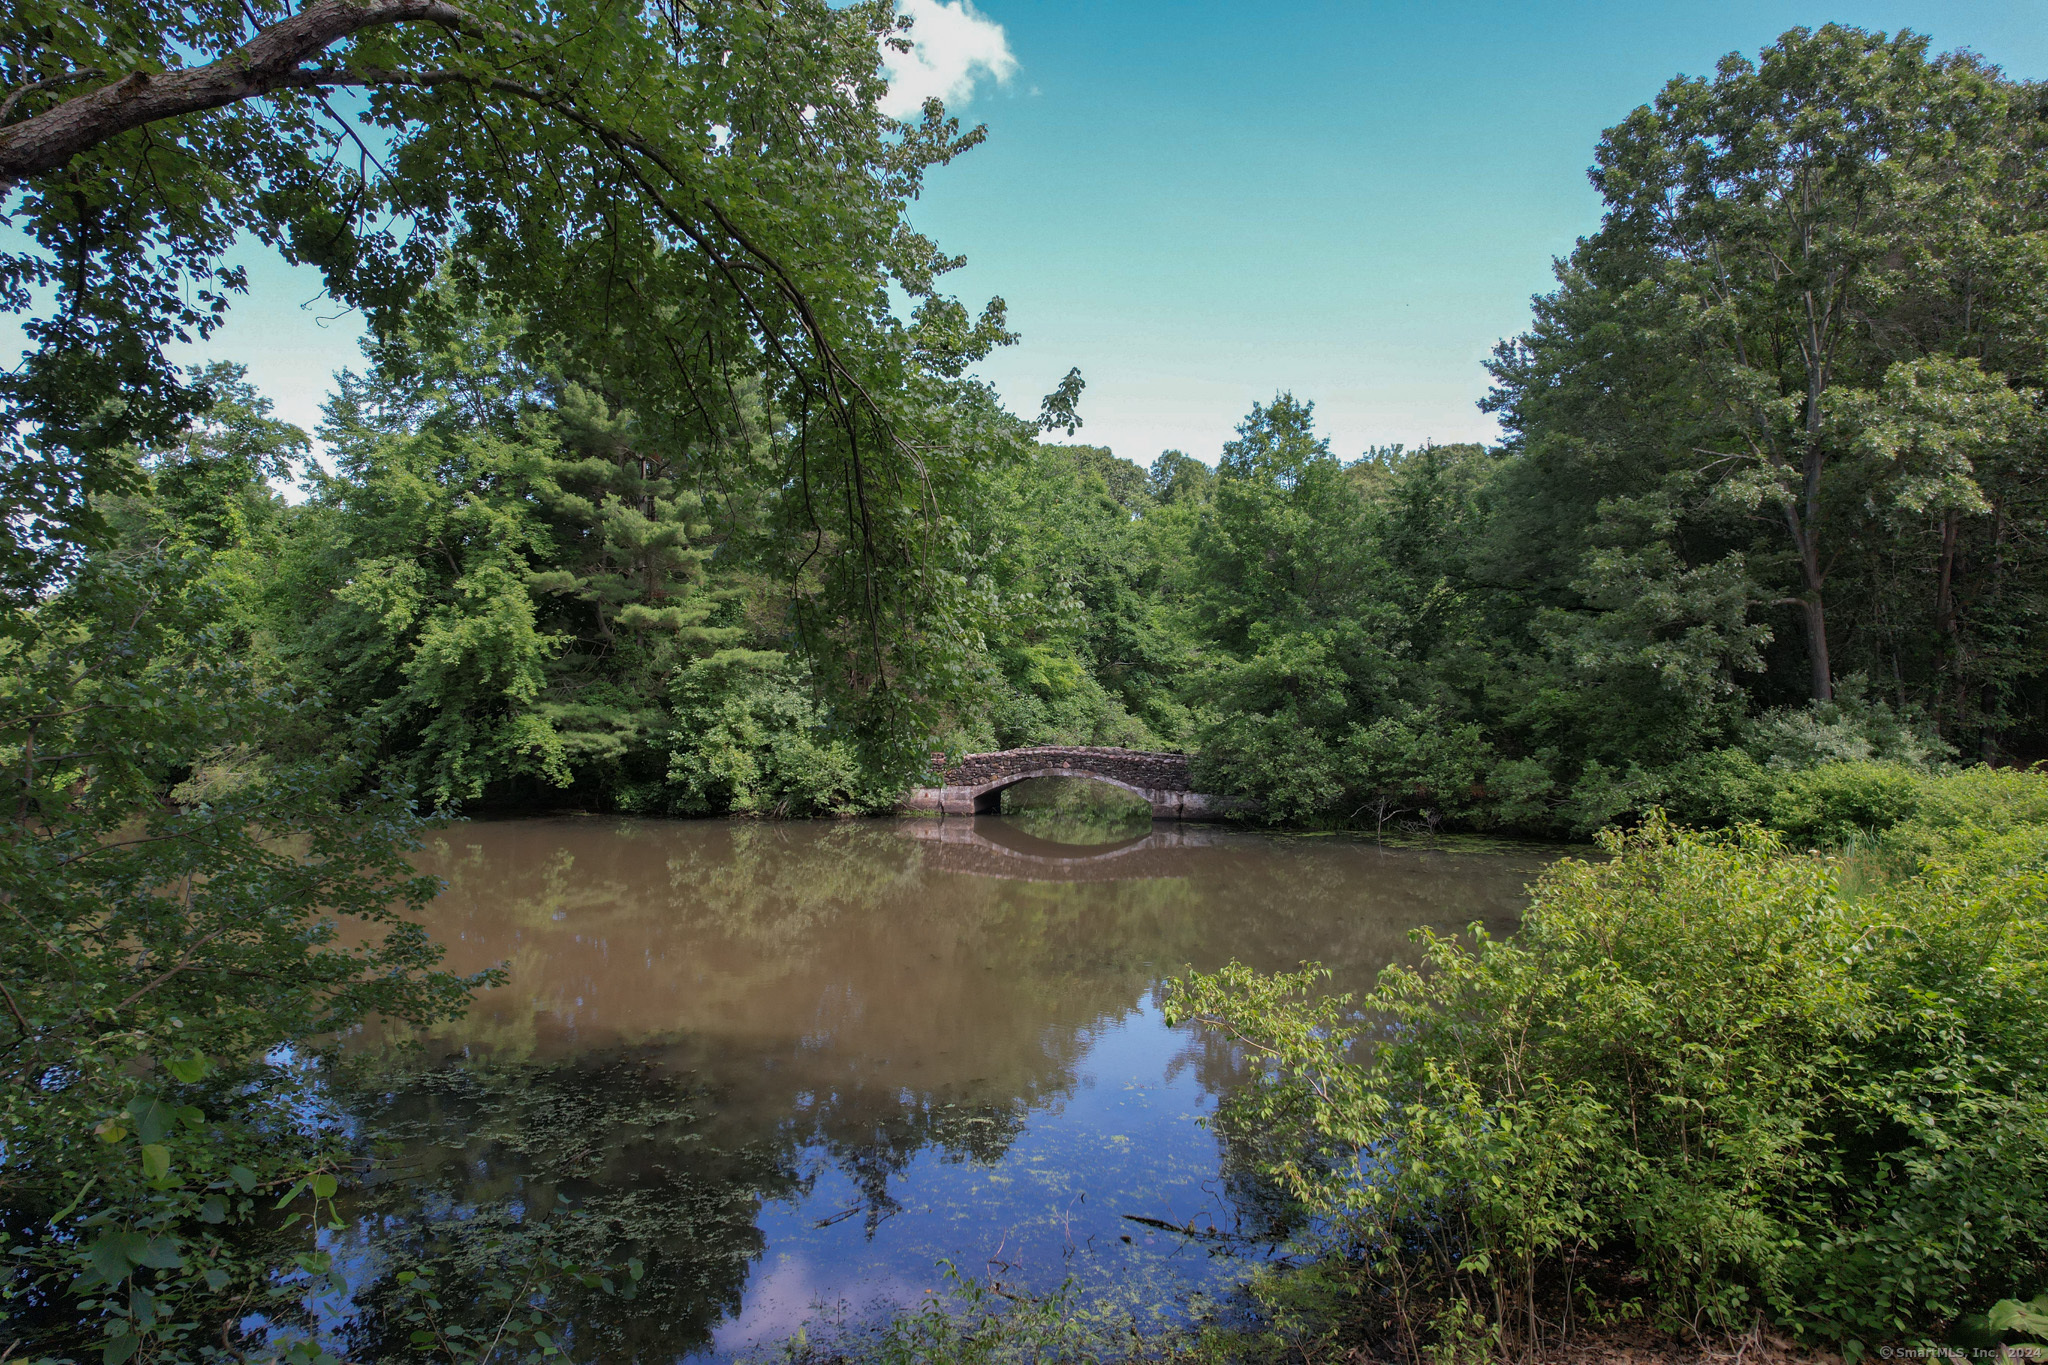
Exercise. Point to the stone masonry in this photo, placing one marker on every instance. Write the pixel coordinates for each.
(975, 784)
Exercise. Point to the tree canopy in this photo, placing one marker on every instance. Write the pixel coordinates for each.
(695, 210)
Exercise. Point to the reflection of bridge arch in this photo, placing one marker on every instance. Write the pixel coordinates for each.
(975, 784)
(997, 848)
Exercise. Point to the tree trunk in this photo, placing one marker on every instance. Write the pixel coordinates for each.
(1947, 626)
(1817, 646)
(1812, 603)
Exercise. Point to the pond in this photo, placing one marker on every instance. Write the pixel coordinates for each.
(796, 1067)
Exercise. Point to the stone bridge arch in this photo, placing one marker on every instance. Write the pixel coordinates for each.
(975, 784)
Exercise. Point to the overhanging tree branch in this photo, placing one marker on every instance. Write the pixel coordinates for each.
(267, 62)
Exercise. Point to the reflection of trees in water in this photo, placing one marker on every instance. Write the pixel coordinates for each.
(1075, 810)
(599, 1162)
(596, 1163)
(874, 1142)
(807, 997)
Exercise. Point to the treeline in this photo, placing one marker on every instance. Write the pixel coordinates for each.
(1773, 493)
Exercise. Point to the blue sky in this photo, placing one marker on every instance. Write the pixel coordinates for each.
(1201, 204)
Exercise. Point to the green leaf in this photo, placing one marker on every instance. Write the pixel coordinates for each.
(2010, 1315)
(159, 1253)
(108, 1254)
(156, 1161)
(324, 1186)
(188, 1069)
(213, 1209)
(217, 1279)
(635, 1269)
(243, 1177)
(153, 1118)
(120, 1348)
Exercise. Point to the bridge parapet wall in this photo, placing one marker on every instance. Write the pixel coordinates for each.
(1132, 767)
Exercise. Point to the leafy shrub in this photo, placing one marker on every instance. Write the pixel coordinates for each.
(1983, 818)
(2001, 812)
(1290, 773)
(1720, 787)
(1703, 1058)
(1849, 728)
(749, 741)
(1839, 802)
(175, 925)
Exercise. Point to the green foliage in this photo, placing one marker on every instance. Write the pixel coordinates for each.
(1837, 803)
(525, 1321)
(1791, 367)
(748, 739)
(2030, 1319)
(1705, 1057)
(1700, 563)
(720, 234)
(186, 915)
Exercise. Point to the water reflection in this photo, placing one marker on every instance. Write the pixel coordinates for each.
(1073, 810)
(791, 1064)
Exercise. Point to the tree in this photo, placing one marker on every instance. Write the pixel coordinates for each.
(173, 903)
(1778, 240)
(686, 202)
(1297, 644)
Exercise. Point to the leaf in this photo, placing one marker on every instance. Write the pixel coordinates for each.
(213, 1210)
(153, 1118)
(120, 1348)
(2010, 1315)
(159, 1253)
(635, 1269)
(188, 1069)
(108, 1255)
(324, 1186)
(217, 1279)
(243, 1177)
(76, 1199)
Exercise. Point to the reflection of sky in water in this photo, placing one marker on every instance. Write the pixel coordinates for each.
(796, 1067)
(1125, 1141)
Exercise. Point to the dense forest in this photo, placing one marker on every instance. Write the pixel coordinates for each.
(666, 486)
(1772, 494)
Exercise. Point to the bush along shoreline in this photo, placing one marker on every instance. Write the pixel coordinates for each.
(1717, 1081)
(1770, 1092)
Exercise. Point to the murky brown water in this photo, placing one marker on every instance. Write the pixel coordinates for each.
(794, 1066)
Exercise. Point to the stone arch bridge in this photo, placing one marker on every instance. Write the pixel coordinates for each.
(975, 784)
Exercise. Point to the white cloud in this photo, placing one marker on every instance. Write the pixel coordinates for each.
(952, 47)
